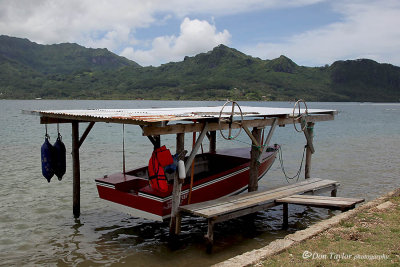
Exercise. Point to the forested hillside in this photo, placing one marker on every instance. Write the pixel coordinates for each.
(64, 71)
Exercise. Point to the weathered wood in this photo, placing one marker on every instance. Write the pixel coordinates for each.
(268, 139)
(285, 224)
(254, 140)
(233, 204)
(255, 154)
(196, 147)
(309, 149)
(175, 222)
(321, 201)
(227, 208)
(210, 235)
(214, 126)
(250, 195)
(213, 142)
(85, 134)
(47, 120)
(76, 170)
(334, 192)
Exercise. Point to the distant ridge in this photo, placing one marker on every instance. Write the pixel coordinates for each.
(63, 71)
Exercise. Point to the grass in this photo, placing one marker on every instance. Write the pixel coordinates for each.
(372, 238)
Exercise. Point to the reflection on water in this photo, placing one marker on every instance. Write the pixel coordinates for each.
(359, 149)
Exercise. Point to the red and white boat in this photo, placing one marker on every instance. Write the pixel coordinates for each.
(219, 174)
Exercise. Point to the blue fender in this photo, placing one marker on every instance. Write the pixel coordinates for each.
(59, 165)
(47, 151)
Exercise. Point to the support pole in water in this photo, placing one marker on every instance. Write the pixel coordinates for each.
(213, 141)
(76, 170)
(175, 222)
(310, 149)
(255, 154)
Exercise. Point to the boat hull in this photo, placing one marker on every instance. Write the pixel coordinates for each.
(132, 194)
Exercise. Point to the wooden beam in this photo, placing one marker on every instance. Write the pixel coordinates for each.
(175, 222)
(268, 139)
(308, 133)
(214, 126)
(309, 149)
(47, 120)
(49, 117)
(254, 155)
(210, 235)
(256, 143)
(155, 140)
(85, 134)
(213, 142)
(285, 224)
(76, 187)
(189, 161)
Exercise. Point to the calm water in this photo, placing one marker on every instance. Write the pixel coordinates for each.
(359, 149)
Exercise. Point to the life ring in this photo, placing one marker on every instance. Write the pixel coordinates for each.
(160, 158)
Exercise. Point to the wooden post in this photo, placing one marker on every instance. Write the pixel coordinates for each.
(255, 154)
(285, 224)
(213, 142)
(307, 168)
(175, 222)
(334, 192)
(210, 235)
(76, 170)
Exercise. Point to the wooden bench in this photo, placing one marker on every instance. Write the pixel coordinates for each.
(338, 203)
(226, 208)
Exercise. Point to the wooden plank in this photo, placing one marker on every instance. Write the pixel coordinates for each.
(46, 120)
(214, 126)
(215, 202)
(79, 118)
(242, 204)
(323, 201)
(230, 205)
(261, 198)
(243, 212)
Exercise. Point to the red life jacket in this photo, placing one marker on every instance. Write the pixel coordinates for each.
(160, 158)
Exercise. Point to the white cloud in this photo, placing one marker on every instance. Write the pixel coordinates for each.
(195, 36)
(109, 24)
(369, 30)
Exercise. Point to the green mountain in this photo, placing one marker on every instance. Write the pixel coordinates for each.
(30, 70)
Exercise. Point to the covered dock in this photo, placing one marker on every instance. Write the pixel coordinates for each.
(206, 121)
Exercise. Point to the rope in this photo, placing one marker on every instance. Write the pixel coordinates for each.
(249, 144)
(297, 175)
(123, 149)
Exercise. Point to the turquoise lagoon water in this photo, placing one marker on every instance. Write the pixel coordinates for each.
(360, 149)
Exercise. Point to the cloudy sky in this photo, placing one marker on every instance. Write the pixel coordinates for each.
(153, 32)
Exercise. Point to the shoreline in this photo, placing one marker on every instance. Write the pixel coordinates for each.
(257, 256)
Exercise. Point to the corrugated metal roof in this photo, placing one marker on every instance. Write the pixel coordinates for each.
(171, 114)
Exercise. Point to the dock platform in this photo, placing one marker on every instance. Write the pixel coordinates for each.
(227, 208)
